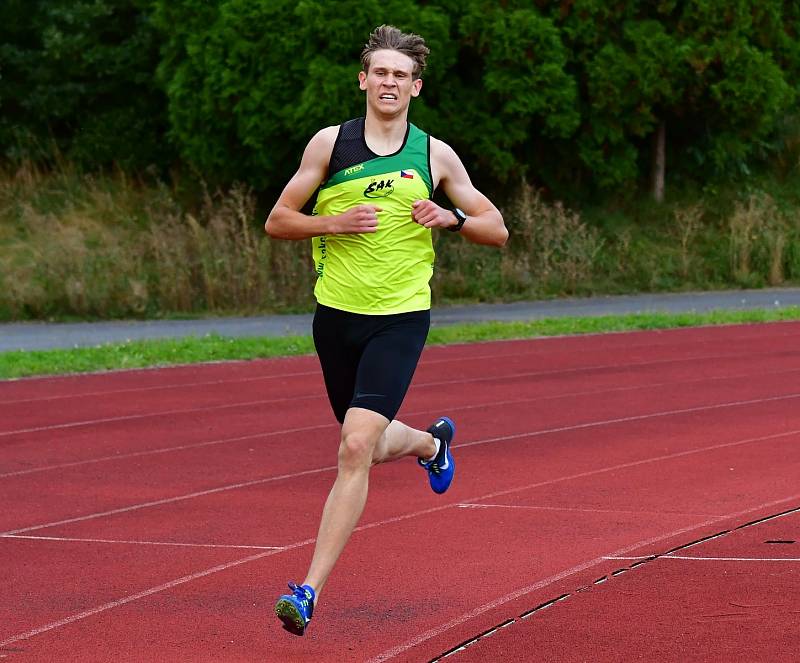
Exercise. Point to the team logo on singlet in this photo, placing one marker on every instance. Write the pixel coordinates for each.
(380, 189)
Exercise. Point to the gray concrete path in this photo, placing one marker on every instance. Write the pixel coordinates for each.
(41, 336)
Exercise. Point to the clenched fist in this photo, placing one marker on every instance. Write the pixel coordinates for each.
(358, 219)
(427, 213)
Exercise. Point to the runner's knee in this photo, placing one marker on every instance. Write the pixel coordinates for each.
(356, 449)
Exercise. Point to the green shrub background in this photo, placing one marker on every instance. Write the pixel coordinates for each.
(143, 141)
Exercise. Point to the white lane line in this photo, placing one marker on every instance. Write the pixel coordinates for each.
(360, 528)
(140, 543)
(302, 429)
(293, 430)
(167, 413)
(638, 417)
(159, 387)
(201, 574)
(579, 510)
(425, 361)
(210, 383)
(161, 450)
(715, 559)
(133, 597)
(476, 612)
(205, 383)
(460, 408)
(585, 369)
(417, 386)
(645, 461)
(169, 500)
(330, 468)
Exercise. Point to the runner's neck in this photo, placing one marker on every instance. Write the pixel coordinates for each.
(385, 136)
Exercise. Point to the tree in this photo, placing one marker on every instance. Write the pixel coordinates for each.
(80, 73)
(510, 92)
(716, 72)
(250, 81)
(579, 95)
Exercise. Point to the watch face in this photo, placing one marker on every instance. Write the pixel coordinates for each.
(460, 218)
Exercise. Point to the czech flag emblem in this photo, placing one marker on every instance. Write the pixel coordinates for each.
(406, 174)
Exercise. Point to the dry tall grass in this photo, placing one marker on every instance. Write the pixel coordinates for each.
(759, 235)
(550, 247)
(109, 247)
(688, 221)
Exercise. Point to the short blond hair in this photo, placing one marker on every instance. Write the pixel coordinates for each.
(389, 37)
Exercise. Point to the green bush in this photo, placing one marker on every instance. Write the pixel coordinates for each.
(78, 80)
(568, 95)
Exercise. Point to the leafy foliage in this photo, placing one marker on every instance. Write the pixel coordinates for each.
(567, 94)
(78, 73)
(251, 80)
(717, 73)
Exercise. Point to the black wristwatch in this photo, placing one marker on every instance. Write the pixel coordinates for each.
(461, 219)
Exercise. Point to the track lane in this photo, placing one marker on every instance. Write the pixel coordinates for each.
(28, 417)
(220, 599)
(197, 420)
(702, 604)
(150, 479)
(542, 455)
(209, 378)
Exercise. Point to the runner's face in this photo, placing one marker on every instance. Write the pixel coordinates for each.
(388, 83)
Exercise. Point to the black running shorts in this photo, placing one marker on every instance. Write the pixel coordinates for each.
(368, 360)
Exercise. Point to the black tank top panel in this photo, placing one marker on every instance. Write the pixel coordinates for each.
(350, 148)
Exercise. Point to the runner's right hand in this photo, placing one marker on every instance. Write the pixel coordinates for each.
(358, 219)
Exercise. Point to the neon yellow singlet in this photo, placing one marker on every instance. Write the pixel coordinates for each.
(387, 271)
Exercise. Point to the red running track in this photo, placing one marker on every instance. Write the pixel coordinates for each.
(156, 515)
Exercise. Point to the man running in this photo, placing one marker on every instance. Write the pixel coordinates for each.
(373, 252)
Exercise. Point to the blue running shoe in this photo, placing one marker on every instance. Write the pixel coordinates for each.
(442, 467)
(295, 609)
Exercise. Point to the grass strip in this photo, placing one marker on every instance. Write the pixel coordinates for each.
(190, 350)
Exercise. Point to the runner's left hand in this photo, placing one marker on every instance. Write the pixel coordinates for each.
(427, 213)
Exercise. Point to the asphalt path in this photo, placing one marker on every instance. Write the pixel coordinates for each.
(44, 336)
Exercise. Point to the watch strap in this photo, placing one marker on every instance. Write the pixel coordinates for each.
(461, 220)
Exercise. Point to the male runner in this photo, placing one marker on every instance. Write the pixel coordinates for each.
(373, 251)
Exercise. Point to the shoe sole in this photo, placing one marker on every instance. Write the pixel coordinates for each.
(290, 616)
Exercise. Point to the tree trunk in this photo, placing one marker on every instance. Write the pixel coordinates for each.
(659, 161)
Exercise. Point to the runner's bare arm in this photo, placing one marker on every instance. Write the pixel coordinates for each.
(286, 221)
(484, 223)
